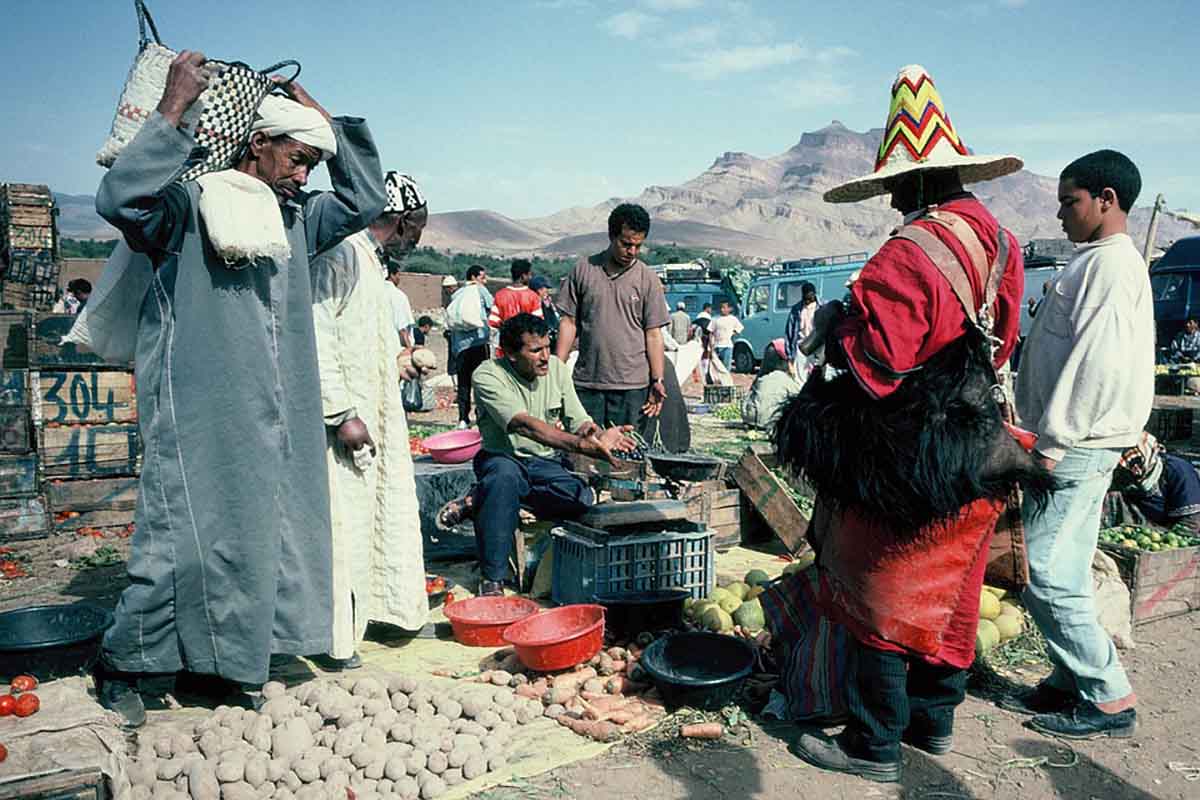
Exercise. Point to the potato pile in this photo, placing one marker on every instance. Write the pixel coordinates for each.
(380, 737)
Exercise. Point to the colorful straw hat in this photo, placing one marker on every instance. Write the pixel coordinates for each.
(918, 135)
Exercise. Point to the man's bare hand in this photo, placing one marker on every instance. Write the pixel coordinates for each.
(587, 429)
(601, 445)
(187, 78)
(353, 435)
(300, 95)
(655, 399)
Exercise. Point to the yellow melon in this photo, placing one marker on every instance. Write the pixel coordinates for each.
(987, 636)
(989, 606)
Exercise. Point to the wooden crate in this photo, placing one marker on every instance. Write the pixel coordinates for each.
(88, 451)
(14, 339)
(769, 497)
(77, 396)
(64, 784)
(99, 503)
(47, 352)
(716, 394)
(16, 430)
(36, 236)
(23, 518)
(1170, 424)
(1163, 584)
(18, 475)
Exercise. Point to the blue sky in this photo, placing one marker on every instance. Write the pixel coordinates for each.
(529, 106)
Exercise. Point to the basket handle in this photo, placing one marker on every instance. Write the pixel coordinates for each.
(144, 20)
(287, 63)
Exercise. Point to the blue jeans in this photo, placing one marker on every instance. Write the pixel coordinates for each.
(1061, 543)
(505, 484)
(726, 356)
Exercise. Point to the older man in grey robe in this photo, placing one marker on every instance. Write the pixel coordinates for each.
(231, 555)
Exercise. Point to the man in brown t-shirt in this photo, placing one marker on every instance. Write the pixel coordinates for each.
(615, 304)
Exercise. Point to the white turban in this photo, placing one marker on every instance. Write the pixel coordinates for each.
(279, 116)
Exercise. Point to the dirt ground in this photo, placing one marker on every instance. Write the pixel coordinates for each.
(993, 756)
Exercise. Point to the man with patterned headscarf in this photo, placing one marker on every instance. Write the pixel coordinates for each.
(378, 566)
(902, 532)
(231, 558)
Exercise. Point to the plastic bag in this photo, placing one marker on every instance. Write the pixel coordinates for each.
(465, 311)
(412, 395)
(108, 324)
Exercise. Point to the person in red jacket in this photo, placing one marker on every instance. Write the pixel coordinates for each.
(516, 298)
(902, 531)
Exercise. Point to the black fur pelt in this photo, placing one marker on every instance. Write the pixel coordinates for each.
(919, 455)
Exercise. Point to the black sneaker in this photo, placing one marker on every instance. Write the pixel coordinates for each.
(826, 753)
(490, 588)
(118, 691)
(933, 744)
(1041, 699)
(1086, 721)
(331, 664)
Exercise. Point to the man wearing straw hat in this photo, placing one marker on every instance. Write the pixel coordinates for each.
(231, 558)
(378, 564)
(897, 449)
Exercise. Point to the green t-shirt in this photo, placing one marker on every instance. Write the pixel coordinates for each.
(501, 394)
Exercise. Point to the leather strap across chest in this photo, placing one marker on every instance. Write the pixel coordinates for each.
(954, 271)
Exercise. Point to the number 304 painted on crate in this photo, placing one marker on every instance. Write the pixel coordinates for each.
(87, 397)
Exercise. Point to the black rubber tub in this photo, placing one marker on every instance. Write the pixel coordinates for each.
(702, 670)
(685, 466)
(628, 614)
(51, 641)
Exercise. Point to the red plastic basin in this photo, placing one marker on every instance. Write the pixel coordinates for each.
(453, 447)
(481, 621)
(559, 638)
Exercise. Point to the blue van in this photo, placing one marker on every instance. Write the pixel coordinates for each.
(1175, 283)
(770, 296)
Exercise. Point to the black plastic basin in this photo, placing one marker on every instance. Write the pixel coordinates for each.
(702, 670)
(51, 641)
(628, 614)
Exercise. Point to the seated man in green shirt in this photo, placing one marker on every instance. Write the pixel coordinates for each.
(529, 417)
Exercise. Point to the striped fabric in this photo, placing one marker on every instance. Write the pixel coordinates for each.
(813, 650)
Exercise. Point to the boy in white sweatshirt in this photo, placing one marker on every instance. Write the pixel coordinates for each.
(1086, 386)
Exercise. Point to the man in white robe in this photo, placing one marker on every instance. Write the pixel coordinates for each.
(378, 564)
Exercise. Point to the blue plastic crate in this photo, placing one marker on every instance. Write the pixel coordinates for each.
(588, 562)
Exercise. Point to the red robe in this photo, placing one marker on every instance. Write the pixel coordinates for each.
(908, 313)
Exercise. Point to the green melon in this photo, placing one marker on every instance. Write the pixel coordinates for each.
(755, 577)
(1009, 626)
(987, 636)
(717, 621)
(718, 594)
(750, 616)
(738, 589)
(730, 604)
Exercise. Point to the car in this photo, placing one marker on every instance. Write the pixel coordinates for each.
(1175, 284)
(769, 298)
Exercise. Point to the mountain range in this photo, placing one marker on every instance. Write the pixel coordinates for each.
(759, 208)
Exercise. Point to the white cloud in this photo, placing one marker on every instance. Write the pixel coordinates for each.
(812, 90)
(671, 5)
(695, 36)
(750, 58)
(1130, 126)
(629, 24)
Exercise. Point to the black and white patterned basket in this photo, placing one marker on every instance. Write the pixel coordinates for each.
(219, 120)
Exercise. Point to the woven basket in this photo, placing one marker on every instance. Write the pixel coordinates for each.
(219, 120)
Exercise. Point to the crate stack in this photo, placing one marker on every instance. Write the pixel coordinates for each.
(29, 255)
(68, 433)
(85, 418)
(22, 504)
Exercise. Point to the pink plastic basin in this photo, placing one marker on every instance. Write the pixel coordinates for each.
(481, 621)
(453, 447)
(559, 638)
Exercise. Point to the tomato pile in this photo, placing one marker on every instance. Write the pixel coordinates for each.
(415, 447)
(12, 565)
(20, 700)
(434, 584)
